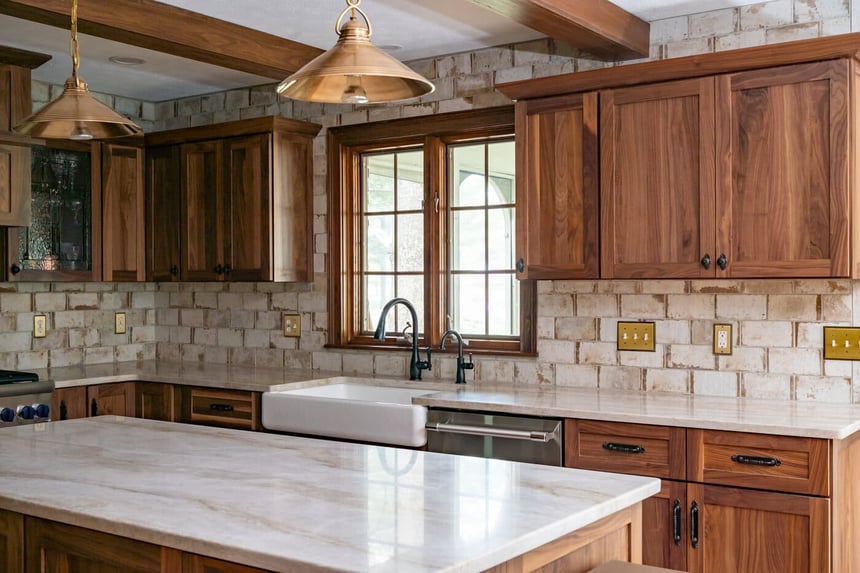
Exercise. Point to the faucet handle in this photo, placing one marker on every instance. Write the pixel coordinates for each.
(468, 365)
(427, 364)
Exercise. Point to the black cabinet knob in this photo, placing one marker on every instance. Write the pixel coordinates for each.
(228, 269)
(219, 269)
(706, 261)
(174, 270)
(521, 265)
(15, 268)
(722, 262)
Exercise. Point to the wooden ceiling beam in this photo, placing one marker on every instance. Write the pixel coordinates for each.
(176, 31)
(598, 27)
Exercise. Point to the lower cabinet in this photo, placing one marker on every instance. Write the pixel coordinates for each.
(218, 407)
(48, 546)
(747, 503)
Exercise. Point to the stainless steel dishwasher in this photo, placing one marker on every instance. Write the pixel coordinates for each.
(503, 437)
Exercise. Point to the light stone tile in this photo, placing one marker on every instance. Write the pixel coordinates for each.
(667, 380)
(597, 305)
(669, 287)
(495, 370)
(103, 355)
(142, 334)
(836, 308)
(298, 360)
(620, 377)
(215, 355)
(534, 373)
(688, 356)
(715, 286)
(555, 305)
(793, 33)
(834, 26)
(140, 299)
(255, 301)
(358, 363)
(767, 14)
(643, 306)
(31, 360)
(792, 307)
(801, 361)
(167, 351)
(268, 320)
(476, 83)
(713, 23)
(689, 306)
(814, 10)
(576, 375)
(608, 329)
(823, 286)
(69, 319)
(454, 65)
(256, 339)
(839, 368)
(766, 386)
(195, 353)
(811, 334)
(492, 59)
(545, 287)
(46, 302)
(217, 318)
(598, 353)
(180, 334)
(16, 302)
(580, 328)
(741, 307)
(312, 302)
(242, 356)
(744, 360)
(690, 47)
(546, 327)
(519, 73)
(618, 287)
(83, 337)
(643, 359)
(192, 317)
(278, 340)
(15, 341)
(672, 331)
(707, 383)
(8, 360)
(744, 39)
(669, 30)
(230, 337)
(574, 287)
(66, 357)
(823, 389)
(390, 365)
(766, 286)
(269, 357)
(130, 352)
(205, 336)
(766, 333)
(241, 318)
(224, 301)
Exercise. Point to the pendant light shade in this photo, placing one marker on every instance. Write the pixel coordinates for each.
(76, 114)
(354, 70)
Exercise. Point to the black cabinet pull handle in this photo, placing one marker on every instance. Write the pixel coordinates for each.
(15, 268)
(521, 265)
(676, 522)
(64, 410)
(228, 269)
(706, 261)
(722, 262)
(623, 448)
(221, 407)
(174, 270)
(756, 460)
(694, 525)
(94, 408)
(219, 269)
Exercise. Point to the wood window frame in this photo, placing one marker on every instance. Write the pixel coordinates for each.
(345, 146)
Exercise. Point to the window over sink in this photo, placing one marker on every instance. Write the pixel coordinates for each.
(425, 209)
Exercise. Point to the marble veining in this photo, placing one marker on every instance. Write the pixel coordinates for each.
(790, 418)
(297, 504)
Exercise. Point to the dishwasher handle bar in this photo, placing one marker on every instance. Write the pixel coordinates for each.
(491, 432)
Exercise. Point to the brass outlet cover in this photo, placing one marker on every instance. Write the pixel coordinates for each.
(293, 325)
(841, 343)
(40, 326)
(119, 324)
(636, 336)
(722, 339)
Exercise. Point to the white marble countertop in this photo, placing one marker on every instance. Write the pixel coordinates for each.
(790, 418)
(287, 503)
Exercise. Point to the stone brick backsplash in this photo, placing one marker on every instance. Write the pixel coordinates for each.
(777, 325)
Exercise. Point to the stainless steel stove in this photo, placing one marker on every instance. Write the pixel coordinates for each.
(24, 399)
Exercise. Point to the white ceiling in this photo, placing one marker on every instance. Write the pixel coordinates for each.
(422, 29)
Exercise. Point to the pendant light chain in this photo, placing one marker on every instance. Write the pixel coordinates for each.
(73, 43)
(353, 6)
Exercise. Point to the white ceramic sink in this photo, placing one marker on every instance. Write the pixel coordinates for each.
(366, 413)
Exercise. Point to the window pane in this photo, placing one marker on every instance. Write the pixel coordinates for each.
(504, 305)
(378, 289)
(468, 241)
(501, 243)
(411, 288)
(410, 180)
(501, 160)
(410, 243)
(468, 304)
(467, 176)
(379, 183)
(379, 243)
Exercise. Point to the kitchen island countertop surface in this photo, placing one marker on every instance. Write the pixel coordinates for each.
(782, 417)
(297, 504)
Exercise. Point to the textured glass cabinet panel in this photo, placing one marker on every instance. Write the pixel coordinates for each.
(60, 237)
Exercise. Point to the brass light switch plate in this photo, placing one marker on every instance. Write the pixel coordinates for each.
(40, 326)
(292, 325)
(722, 339)
(119, 323)
(841, 343)
(636, 336)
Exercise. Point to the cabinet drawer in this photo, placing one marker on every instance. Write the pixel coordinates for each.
(761, 461)
(229, 408)
(656, 451)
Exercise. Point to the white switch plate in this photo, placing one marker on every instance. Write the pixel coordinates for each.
(119, 323)
(40, 326)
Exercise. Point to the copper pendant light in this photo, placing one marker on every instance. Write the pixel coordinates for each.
(76, 114)
(354, 70)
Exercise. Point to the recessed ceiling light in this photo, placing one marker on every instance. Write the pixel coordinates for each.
(127, 60)
(391, 47)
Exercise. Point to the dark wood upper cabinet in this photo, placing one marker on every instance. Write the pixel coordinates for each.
(783, 171)
(557, 182)
(123, 214)
(245, 193)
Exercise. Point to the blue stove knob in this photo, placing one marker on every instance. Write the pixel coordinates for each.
(7, 415)
(26, 412)
(42, 410)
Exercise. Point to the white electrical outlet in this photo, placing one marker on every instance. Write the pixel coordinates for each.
(722, 339)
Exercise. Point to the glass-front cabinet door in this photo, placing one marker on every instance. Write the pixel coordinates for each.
(58, 245)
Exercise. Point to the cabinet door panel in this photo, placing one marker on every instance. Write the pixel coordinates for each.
(11, 542)
(123, 252)
(111, 399)
(153, 401)
(163, 213)
(748, 531)
(69, 403)
(665, 536)
(783, 180)
(200, 564)
(202, 205)
(557, 203)
(249, 217)
(14, 185)
(657, 180)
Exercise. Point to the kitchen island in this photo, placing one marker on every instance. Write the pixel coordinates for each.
(284, 503)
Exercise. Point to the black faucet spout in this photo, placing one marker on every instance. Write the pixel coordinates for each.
(416, 365)
(462, 365)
